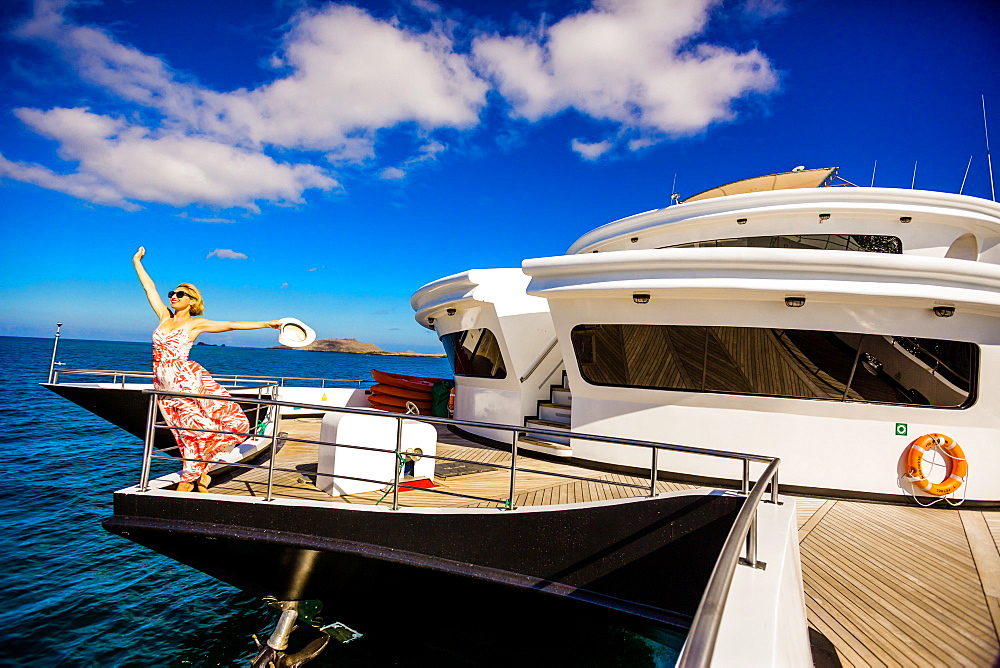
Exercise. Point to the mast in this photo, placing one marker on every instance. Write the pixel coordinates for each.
(989, 160)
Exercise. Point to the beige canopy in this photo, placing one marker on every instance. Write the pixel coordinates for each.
(802, 178)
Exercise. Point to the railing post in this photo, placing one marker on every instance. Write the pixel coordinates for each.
(147, 450)
(395, 463)
(752, 541)
(745, 487)
(513, 470)
(774, 488)
(274, 451)
(652, 472)
(55, 347)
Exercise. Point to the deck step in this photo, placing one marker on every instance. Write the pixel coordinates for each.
(547, 424)
(560, 413)
(561, 395)
(548, 447)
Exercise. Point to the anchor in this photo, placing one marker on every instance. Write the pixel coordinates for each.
(273, 654)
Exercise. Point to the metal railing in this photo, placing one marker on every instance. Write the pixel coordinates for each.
(538, 360)
(121, 376)
(700, 644)
(746, 533)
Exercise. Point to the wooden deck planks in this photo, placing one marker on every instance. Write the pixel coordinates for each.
(896, 585)
(887, 585)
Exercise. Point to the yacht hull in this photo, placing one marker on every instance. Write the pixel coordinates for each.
(646, 559)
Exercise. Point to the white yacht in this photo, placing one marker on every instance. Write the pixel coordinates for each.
(620, 416)
(795, 315)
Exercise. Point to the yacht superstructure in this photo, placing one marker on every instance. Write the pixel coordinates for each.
(830, 326)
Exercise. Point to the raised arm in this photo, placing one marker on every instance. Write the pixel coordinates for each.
(161, 310)
(201, 325)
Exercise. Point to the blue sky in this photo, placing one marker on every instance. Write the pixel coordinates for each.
(324, 160)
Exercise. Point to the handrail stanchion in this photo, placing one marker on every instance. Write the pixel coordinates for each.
(774, 488)
(752, 542)
(395, 463)
(513, 470)
(745, 487)
(147, 450)
(654, 465)
(274, 453)
(55, 347)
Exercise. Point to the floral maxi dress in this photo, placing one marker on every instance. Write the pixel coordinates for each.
(173, 371)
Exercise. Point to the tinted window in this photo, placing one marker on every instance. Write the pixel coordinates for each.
(868, 243)
(474, 352)
(809, 364)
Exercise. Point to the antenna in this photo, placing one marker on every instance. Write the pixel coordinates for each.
(674, 195)
(966, 175)
(873, 172)
(989, 160)
(913, 182)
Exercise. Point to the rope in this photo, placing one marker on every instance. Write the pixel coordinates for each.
(402, 462)
(936, 449)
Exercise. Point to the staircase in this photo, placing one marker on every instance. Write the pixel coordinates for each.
(553, 414)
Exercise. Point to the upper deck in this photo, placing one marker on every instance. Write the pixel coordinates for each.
(924, 223)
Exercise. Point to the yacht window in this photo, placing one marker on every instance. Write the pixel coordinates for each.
(474, 352)
(866, 243)
(807, 364)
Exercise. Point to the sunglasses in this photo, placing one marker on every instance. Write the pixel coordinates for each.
(179, 294)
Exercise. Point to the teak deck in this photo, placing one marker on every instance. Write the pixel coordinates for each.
(887, 585)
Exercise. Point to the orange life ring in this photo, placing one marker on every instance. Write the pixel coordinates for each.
(956, 471)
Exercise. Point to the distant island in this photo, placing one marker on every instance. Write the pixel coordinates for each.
(213, 345)
(353, 346)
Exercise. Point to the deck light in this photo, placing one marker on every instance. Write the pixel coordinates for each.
(634, 239)
(430, 321)
(944, 311)
(795, 302)
(640, 298)
(823, 217)
(451, 311)
(741, 221)
(905, 219)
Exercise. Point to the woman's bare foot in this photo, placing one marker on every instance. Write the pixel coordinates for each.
(185, 486)
(203, 482)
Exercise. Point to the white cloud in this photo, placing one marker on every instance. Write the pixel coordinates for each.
(225, 221)
(346, 75)
(591, 151)
(351, 72)
(226, 254)
(129, 163)
(342, 76)
(632, 62)
(392, 174)
(284, 286)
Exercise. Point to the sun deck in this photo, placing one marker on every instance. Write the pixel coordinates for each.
(885, 585)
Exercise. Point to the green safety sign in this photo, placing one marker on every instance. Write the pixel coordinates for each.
(901, 428)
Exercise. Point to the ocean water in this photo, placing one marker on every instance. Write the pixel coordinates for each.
(75, 595)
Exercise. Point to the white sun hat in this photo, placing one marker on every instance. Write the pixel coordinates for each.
(295, 333)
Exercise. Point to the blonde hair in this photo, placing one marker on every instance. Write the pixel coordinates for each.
(197, 303)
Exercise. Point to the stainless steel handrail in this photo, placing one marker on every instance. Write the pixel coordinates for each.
(700, 644)
(539, 360)
(115, 373)
(724, 454)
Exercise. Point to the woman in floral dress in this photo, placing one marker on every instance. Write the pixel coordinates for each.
(173, 371)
